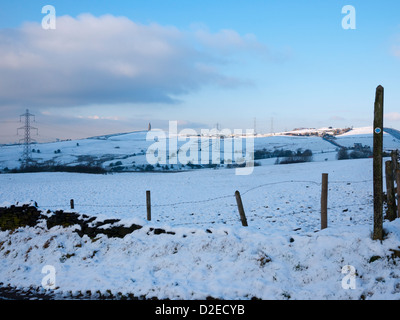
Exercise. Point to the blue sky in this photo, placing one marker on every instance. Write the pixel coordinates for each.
(198, 62)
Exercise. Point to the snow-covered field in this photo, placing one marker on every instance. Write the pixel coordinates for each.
(282, 254)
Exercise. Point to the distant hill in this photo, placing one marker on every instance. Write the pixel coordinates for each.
(127, 151)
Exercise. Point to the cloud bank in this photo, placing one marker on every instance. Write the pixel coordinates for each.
(108, 59)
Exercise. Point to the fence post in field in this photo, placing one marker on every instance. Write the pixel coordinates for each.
(324, 202)
(391, 202)
(396, 167)
(240, 208)
(148, 204)
(395, 154)
(72, 204)
(377, 164)
(398, 192)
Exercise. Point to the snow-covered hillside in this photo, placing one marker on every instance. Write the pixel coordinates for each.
(204, 251)
(282, 254)
(128, 151)
(365, 137)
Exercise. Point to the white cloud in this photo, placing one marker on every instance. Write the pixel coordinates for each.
(110, 59)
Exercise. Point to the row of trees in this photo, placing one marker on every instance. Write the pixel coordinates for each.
(285, 156)
(58, 168)
(344, 154)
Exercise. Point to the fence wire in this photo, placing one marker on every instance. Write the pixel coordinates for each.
(232, 196)
(204, 200)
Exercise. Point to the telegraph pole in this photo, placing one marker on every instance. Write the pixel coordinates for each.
(27, 140)
(377, 164)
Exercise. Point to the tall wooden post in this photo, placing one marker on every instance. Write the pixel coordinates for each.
(391, 202)
(395, 164)
(324, 202)
(377, 164)
(148, 204)
(240, 208)
(398, 192)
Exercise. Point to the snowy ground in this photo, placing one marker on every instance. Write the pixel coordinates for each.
(282, 254)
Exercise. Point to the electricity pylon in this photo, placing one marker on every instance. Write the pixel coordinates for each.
(27, 140)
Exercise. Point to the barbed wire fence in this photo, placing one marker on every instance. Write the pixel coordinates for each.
(235, 219)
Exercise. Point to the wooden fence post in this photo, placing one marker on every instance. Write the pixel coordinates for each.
(390, 198)
(324, 202)
(148, 204)
(240, 208)
(396, 167)
(394, 154)
(398, 192)
(377, 164)
(72, 204)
